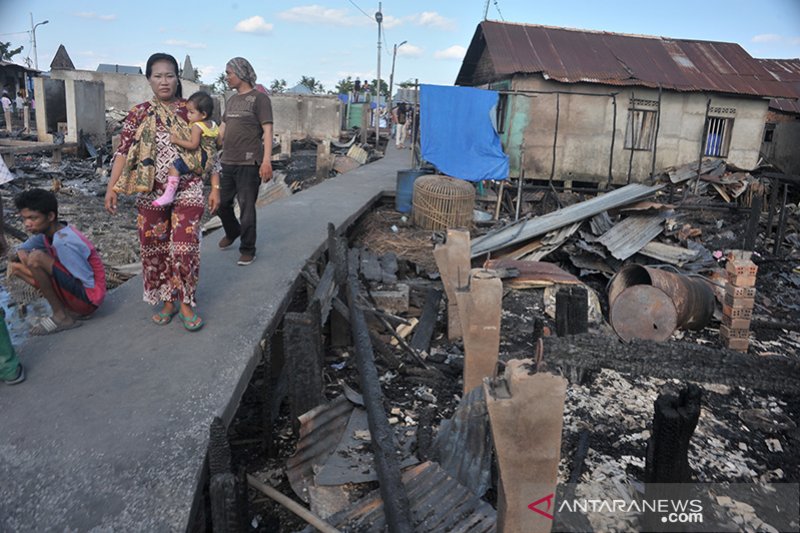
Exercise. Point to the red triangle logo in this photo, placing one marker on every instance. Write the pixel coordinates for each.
(535, 505)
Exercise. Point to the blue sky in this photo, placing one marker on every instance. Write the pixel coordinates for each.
(330, 39)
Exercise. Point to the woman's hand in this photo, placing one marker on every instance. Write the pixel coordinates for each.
(111, 201)
(265, 171)
(213, 200)
(173, 138)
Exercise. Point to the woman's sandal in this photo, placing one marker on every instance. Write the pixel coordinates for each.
(163, 318)
(191, 324)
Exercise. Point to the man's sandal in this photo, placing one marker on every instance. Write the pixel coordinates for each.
(192, 323)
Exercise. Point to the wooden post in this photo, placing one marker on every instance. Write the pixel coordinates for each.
(480, 309)
(337, 254)
(324, 159)
(396, 504)
(666, 467)
(302, 339)
(286, 144)
(452, 259)
(364, 123)
(526, 412)
(427, 321)
(226, 509)
(26, 119)
(752, 226)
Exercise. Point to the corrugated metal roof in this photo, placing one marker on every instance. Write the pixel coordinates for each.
(786, 71)
(572, 56)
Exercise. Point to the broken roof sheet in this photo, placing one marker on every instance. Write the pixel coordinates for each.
(785, 71)
(632, 234)
(527, 229)
(572, 56)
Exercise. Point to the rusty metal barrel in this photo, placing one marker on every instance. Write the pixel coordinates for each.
(649, 303)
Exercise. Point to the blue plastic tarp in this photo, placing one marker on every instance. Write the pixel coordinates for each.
(458, 134)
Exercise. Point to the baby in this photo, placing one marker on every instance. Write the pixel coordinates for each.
(205, 131)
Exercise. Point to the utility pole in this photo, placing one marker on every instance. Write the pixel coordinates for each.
(391, 76)
(33, 37)
(379, 18)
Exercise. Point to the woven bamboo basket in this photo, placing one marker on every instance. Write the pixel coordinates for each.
(442, 202)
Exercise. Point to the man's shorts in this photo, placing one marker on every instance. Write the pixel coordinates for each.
(71, 291)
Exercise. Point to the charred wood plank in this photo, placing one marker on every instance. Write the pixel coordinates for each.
(421, 340)
(303, 344)
(679, 360)
(397, 506)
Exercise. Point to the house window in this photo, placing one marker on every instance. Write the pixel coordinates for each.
(769, 131)
(641, 130)
(502, 105)
(718, 131)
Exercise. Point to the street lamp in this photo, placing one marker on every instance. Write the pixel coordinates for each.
(391, 76)
(33, 36)
(379, 18)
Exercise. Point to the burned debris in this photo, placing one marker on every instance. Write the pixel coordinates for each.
(456, 336)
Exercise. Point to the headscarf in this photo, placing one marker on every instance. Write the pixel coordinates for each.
(243, 70)
(139, 172)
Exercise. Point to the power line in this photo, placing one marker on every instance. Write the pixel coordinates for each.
(498, 11)
(15, 32)
(359, 8)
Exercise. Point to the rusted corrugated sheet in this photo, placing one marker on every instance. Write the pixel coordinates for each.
(786, 71)
(573, 56)
(629, 236)
(438, 503)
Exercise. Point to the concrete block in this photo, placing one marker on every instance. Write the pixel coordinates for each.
(392, 300)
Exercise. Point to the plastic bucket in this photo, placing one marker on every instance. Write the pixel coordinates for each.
(405, 188)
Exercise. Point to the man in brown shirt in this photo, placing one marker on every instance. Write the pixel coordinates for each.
(246, 133)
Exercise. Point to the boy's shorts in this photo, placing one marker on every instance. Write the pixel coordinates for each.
(71, 291)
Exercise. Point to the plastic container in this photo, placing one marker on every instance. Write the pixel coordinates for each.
(405, 188)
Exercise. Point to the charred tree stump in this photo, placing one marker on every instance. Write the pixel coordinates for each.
(227, 507)
(675, 418)
(396, 504)
(302, 339)
(427, 321)
(572, 311)
(667, 474)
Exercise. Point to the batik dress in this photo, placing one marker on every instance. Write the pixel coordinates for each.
(169, 236)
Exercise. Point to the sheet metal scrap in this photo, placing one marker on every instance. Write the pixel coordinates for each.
(463, 445)
(438, 503)
(532, 273)
(528, 229)
(632, 234)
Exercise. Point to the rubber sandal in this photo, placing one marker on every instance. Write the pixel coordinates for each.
(47, 325)
(162, 318)
(191, 324)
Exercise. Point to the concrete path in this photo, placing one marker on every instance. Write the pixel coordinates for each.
(110, 430)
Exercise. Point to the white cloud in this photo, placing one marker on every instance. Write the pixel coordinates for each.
(794, 41)
(209, 73)
(93, 15)
(433, 19)
(255, 24)
(390, 22)
(767, 38)
(409, 50)
(454, 52)
(184, 44)
(316, 14)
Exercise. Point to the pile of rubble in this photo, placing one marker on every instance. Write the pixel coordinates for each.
(438, 326)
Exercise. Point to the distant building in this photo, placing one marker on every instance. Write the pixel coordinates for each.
(599, 106)
(119, 69)
(782, 127)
